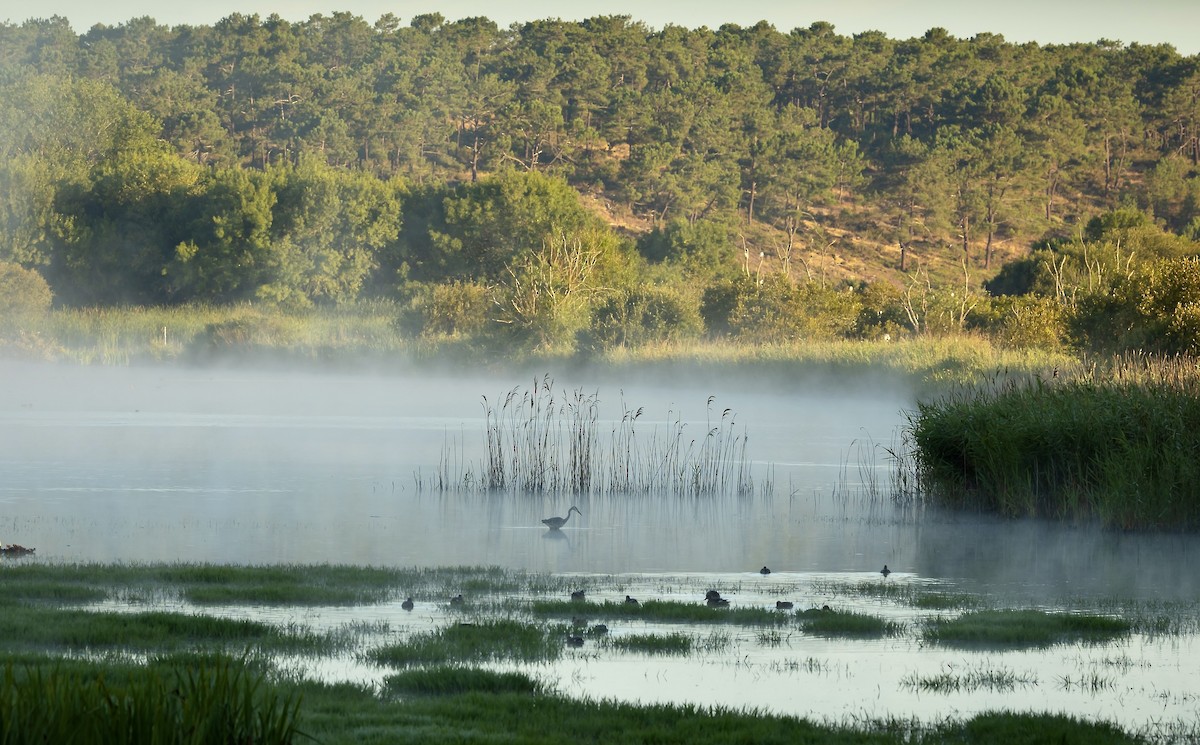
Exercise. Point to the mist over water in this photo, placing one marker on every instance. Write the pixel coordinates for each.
(243, 466)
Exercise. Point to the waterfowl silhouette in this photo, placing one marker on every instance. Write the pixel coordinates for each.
(407, 604)
(631, 601)
(764, 570)
(578, 595)
(718, 603)
(574, 641)
(554, 523)
(826, 608)
(782, 605)
(712, 595)
(457, 600)
(885, 571)
(598, 630)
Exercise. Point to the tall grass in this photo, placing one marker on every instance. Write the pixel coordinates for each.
(1117, 444)
(541, 440)
(215, 703)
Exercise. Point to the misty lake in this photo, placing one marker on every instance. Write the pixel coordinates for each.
(239, 466)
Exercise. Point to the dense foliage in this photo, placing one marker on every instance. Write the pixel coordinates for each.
(556, 185)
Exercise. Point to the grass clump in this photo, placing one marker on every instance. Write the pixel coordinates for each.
(1117, 449)
(485, 641)
(1023, 628)
(655, 644)
(216, 703)
(442, 681)
(998, 680)
(846, 623)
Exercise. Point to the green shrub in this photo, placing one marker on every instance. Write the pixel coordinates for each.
(23, 293)
(640, 316)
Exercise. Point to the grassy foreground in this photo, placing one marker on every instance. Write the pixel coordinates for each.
(177, 677)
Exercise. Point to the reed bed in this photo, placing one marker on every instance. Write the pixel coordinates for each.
(544, 441)
(1116, 444)
(215, 703)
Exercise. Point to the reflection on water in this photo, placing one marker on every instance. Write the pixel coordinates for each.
(170, 464)
(103, 464)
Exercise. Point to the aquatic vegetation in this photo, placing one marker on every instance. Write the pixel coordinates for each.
(482, 641)
(846, 623)
(954, 680)
(664, 644)
(1022, 628)
(542, 440)
(444, 680)
(1067, 448)
(33, 627)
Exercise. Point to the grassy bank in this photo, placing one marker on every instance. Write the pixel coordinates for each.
(367, 334)
(1118, 446)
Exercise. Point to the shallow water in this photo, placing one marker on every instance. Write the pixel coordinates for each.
(236, 466)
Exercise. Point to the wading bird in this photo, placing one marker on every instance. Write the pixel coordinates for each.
(407, 604)
(554, 523)
(885, 571)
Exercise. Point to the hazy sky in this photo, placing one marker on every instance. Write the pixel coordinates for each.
(1045, 21)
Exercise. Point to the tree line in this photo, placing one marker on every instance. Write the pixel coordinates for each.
(455, 165)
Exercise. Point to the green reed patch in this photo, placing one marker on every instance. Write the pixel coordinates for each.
(846, 623)
(484, 641)
(214, 703)
(666, 611)
(442, 681)
(1023, 628)
(1117, 450)
(657, 644)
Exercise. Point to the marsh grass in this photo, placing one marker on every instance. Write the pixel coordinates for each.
(218, 702)
(38, 628)
(1023, 628)
(659, 610)
(483, 641)
(442, 681)
(541, 440)
(971, 680)
(653, 644)
(287, 584)
(846, 623)
(1117, 446)
(337, 714)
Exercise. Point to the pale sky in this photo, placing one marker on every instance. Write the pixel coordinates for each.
(1175, 22)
